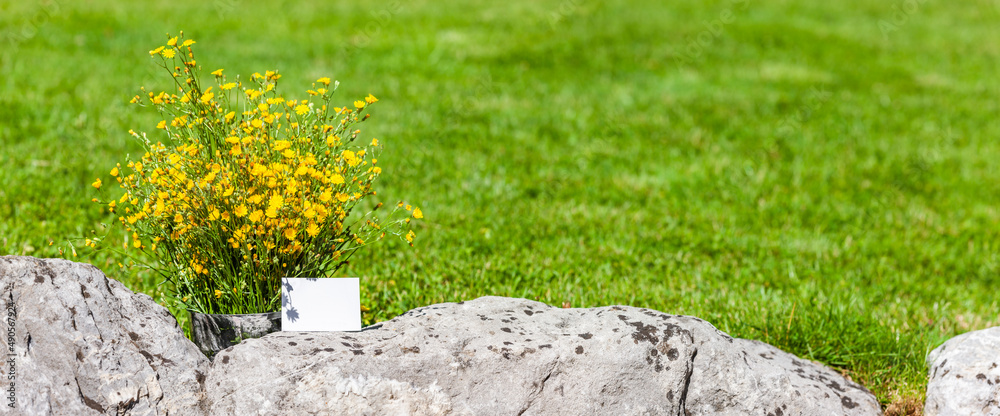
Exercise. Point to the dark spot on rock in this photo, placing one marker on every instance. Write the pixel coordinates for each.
(586, 336)
(670, 396)
(764, 356)
(579, 349)
(980, 376)
(358, 352)
(658, 367)
(527, 351)
(545, 346)
(39, 279)
(461, 303)
(508, 343)
(79, 356)
(672, 354)
(225, 359)
(529, 313)
(133, 336)
(505, 330)
(328, 349)
(309, 339)
(293, 344)
(642, 332)
(378, 351)
(958, 376)
(198, 375)
(614, 329)
(415, 350)
(834, 385)
(142, 325)
(847, 402)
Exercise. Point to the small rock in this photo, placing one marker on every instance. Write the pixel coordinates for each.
(965, 375)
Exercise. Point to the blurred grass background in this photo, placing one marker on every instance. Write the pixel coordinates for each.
(820, 176)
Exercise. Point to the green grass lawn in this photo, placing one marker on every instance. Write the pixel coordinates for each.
(821, 176)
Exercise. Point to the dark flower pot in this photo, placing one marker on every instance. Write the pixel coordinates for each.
(215, 332)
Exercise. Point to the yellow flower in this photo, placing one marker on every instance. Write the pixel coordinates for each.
(218, 293)
(162, 124)
(359, 104)
(230, 115)
(168, 53)
(375, 142)
(312, 229)
(301, 109)
(370, 99)
(155, 51)
(188, 42)
(410, 236)
(240, 211)
(172, 41)
(217, 72)
(290, 233)
(324, 80)
(97, 183)
(280, 145)
(207, 96)
(351, 158)
(114, 171)
(228, 86)
(417, 213)
(256, 215)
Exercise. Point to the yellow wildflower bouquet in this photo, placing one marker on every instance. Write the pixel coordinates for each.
(248, 187)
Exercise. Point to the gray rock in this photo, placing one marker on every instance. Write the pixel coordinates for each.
(85, 345)
(497, 356)
(965, 375)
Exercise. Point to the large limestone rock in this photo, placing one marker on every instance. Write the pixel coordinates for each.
(499, 356)
(965, 375)
(85, 345)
